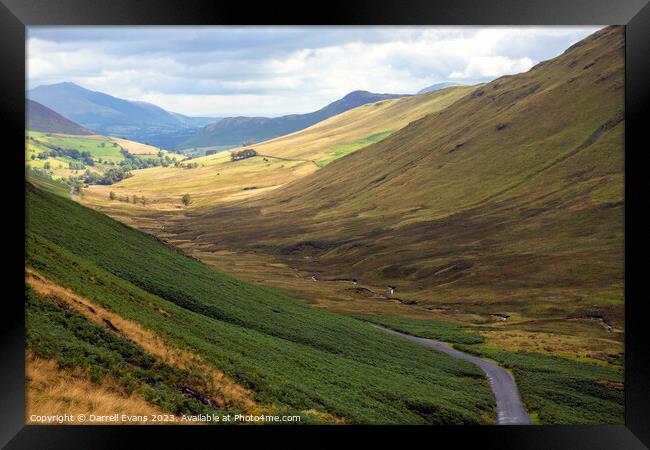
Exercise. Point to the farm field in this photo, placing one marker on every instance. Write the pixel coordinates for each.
(68, 157)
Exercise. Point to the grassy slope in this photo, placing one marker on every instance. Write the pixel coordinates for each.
(218, 180)
(91, 144)
(429, 329)
(234, 130)
(290, 354)
(99, 147)
(55, 332)
(511, 198)
(46, 184)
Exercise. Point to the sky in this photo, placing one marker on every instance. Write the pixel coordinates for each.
(226, 71)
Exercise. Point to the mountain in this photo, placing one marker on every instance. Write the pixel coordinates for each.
(438, 86)
(511, 198)
(108, 115)
(235, 130)
(42, 118)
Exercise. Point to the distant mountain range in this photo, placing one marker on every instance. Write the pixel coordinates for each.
(438, 86)
(42, 118)
(105, 114)
(235, 130)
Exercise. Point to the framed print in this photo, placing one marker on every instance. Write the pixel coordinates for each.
(414, 220)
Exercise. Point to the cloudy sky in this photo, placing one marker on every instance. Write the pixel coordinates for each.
(224, 71)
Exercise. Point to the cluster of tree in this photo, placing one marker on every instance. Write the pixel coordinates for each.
(109, 177)
(85, 157)
(76, 166)
(193, 165)
(133, 162)
(38, 171)
(242, 154)
(135, 199)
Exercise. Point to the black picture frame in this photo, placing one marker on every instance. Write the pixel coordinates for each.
(15, 15)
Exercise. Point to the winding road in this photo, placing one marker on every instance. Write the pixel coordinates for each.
(510, 409)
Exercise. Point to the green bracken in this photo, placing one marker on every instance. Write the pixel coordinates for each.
(290, 354)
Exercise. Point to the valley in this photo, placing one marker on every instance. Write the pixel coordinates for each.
(488, 216)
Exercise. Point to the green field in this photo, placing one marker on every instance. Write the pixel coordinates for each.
(90, 159)
(342, 150)
(99, 148)
(47, 184)
(290, 354)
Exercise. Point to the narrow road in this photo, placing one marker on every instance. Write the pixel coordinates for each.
(510, 409)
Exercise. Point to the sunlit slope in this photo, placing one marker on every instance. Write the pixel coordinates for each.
(286, 353)
(106, 152)
(319, 141)
(281, 160)
(512, 193)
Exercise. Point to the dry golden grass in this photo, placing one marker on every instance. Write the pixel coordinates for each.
(315, 143)
(138, 148)
(223, 391)
(135, 148)
(55, 391)
(582, 348)
(97, 137)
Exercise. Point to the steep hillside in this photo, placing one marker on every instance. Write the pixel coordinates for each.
(41, 118)
(110, 115)
(236, 130)
(508, 201)
(116, 304)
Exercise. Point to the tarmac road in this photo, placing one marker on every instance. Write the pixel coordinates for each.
(510, 409)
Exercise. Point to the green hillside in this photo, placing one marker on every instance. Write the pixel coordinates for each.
(92, 159)
(288, 353)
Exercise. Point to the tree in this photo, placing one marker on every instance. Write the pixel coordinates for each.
(47, 165)
(135, 199)
(77, 187)
(186, 199)
(111, 195)
(144, 201)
